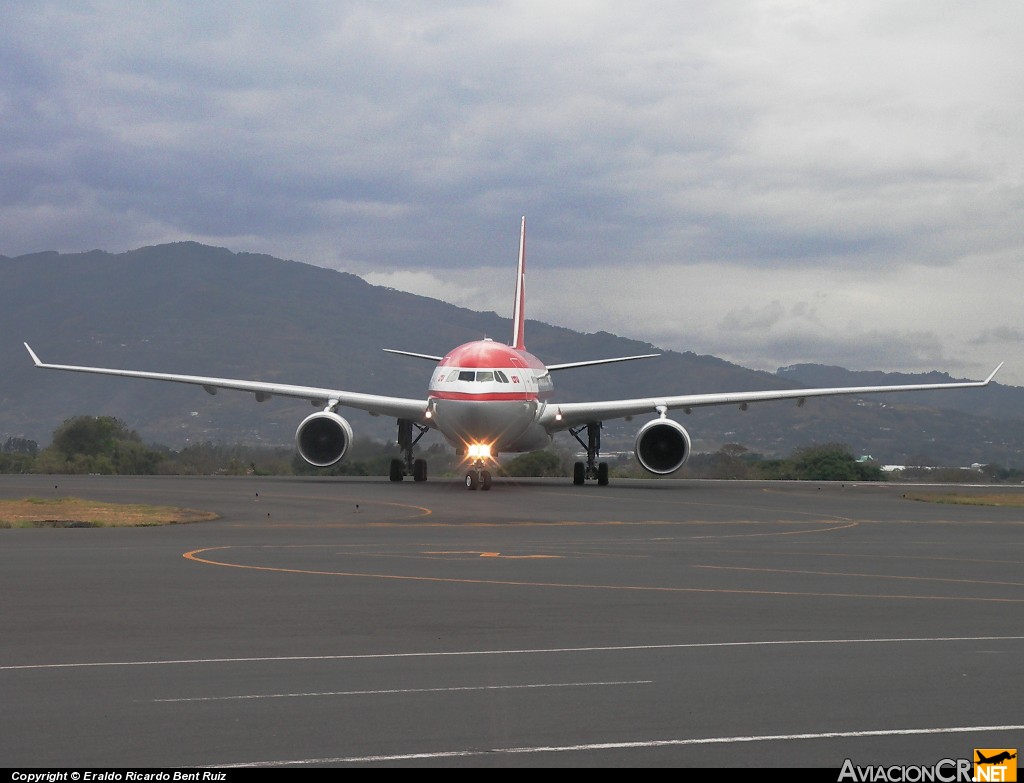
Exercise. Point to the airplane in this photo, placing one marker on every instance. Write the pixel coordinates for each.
(999, 758)
(485, 398)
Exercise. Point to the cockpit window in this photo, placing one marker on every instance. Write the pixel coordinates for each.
(483, 376)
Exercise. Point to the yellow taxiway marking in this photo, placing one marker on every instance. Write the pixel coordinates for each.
(196, 556)
(358, 506)
(498, 554)
(860, 575)
(572, 523)
(874, 556)
(679, 501)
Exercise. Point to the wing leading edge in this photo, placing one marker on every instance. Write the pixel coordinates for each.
(560, 417)
(375, 404)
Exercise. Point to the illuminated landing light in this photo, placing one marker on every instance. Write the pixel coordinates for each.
(429, 414)
(479, 451)
(558, 415)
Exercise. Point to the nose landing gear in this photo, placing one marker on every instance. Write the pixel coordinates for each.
(477, 477)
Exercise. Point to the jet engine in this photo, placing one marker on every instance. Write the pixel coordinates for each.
(323, 438)
(662, 446)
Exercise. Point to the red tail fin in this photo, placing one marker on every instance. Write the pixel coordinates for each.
(518, 311)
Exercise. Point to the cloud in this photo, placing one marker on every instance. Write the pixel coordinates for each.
(743, 159)
(749, 319)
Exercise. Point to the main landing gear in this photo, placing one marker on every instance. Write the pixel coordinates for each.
(477, 477)
(400, 468)
(592, 469)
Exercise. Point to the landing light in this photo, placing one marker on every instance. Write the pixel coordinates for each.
(479, 451)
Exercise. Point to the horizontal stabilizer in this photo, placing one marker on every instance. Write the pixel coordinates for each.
(414, 355)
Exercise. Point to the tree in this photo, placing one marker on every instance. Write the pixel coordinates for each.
(91, 435)
(97, 444)
(729, 462)
(536, 463)
(15, 445)
(832, 462)
(16, 463)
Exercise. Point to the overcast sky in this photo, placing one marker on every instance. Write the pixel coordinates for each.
(770, 182)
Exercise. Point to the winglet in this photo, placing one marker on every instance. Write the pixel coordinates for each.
(32, 353)
(518, 314)
(988, 380)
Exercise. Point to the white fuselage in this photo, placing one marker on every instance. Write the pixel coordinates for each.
(487, 393)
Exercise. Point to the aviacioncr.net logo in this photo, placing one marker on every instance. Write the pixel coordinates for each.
(944, 771)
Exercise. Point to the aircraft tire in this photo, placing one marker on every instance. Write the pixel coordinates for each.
(602, 474)
(578, 473)
(397, 470)
(471, 480)
(419, 470)
(485, 480)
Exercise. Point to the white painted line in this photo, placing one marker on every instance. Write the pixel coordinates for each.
(625, 745)
(412, 690)
(542, 651)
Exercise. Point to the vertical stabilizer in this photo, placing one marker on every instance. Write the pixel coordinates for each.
(518, 312)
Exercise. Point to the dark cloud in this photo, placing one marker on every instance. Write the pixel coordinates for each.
(760, 138)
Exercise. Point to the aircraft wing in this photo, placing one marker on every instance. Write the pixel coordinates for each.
(375, 404)
(559, 417)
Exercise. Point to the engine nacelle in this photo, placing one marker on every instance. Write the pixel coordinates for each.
(662, 446)
(323, 438)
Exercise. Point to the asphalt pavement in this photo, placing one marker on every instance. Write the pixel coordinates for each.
(337, 622)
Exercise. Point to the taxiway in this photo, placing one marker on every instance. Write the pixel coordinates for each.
(648, 623)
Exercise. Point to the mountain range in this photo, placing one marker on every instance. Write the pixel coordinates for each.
(190, 308)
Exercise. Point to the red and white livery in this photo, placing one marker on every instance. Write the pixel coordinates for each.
(486, 398)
